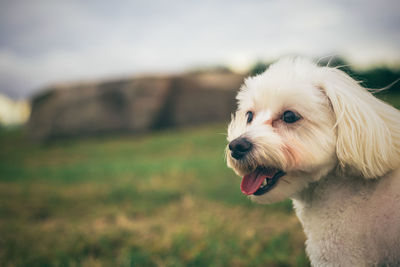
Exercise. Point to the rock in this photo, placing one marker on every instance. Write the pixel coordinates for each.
(133, 105)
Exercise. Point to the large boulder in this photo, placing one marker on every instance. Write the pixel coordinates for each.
(199, 98)
(133, 105)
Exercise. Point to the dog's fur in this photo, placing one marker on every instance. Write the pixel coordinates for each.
(341, 159)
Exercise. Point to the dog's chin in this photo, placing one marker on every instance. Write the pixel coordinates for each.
(265, 182)
(271, 184)
(283, 186)
(262, 184)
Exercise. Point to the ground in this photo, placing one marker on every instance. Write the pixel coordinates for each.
(161, 199)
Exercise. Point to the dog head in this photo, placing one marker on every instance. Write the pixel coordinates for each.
(297, 122)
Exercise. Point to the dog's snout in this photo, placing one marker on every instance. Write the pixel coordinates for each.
(240, 147)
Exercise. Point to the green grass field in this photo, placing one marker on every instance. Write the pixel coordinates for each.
(163, 199)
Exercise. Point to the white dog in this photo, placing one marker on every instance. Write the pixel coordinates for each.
(313, 134)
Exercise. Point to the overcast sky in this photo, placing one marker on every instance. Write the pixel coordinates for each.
(43, 42)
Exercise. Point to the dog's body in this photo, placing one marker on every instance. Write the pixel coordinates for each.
(351, 221)
(313, 134)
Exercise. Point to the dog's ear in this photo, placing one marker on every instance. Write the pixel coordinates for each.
(368, 130)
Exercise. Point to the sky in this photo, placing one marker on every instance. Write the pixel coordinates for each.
(43, 42)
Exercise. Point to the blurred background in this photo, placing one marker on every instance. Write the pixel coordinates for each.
(113, 120)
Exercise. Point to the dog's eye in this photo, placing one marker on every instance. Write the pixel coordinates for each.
(290, 117)
(249, 116)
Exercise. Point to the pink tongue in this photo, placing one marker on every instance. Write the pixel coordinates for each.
(251, 182)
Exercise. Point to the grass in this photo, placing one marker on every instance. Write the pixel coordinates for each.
(163, 199)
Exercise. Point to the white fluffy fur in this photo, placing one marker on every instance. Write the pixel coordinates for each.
(342, 159)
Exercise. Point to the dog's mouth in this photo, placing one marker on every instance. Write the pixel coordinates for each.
(260, 181)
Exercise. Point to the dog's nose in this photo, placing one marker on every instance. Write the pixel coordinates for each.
(239, 147)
